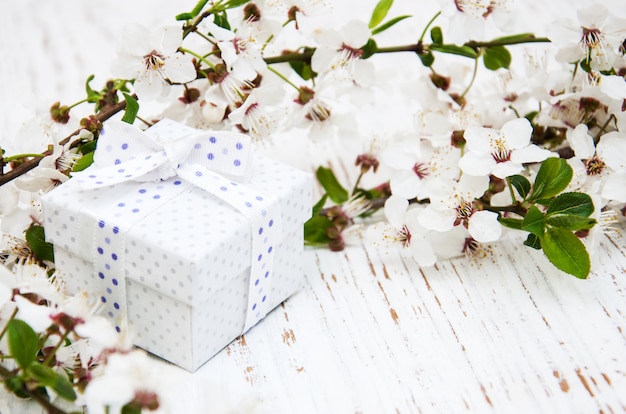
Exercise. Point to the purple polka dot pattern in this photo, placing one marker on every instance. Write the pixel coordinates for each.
(184, 302)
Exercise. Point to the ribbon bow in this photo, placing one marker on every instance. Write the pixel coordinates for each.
(164, 150)
(216, 162)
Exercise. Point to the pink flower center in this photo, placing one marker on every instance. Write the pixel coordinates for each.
(500, 152)
(421, 170)
(154, 60)
(594, 165)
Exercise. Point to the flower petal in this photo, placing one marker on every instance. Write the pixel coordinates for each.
(484, 226)
(517, 133)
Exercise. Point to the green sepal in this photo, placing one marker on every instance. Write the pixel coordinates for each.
(534, 222)
(47, 377)
(36, 240)
(369, 48)
(335, 191)
(379, 13)
(389, 24)
(553, 177)
(566, 252)
(496, 57)
(23, 342)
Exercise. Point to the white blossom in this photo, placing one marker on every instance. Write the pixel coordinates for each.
(152, 59)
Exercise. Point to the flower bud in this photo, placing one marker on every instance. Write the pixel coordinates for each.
(60, 114)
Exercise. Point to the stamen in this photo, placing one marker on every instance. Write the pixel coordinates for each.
(594, 165)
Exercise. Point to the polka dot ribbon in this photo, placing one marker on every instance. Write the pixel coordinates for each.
(218, 162)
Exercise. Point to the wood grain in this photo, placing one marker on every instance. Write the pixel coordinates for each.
(502, 331)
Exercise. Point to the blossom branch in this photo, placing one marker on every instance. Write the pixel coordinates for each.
(106, 113)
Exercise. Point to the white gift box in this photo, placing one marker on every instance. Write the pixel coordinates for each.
(181, 267)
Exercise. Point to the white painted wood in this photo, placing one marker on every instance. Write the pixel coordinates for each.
(504, 332)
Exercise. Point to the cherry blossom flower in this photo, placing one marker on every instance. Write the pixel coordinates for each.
(152, 59)
(240, 49)
(595, 38)
(453, 203)
(402, 229)
(501, 153)
(339, 54)
(254, 115)
(468, 18)
(598, 169)
(133, 377)
(415, 162)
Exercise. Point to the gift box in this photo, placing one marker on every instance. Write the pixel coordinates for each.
(186, 237)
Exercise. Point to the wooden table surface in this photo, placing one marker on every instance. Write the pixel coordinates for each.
(503, 332)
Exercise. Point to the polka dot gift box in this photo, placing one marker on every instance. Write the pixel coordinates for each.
(186, 237)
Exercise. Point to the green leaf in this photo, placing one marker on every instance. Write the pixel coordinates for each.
(566, 252)
(88, 147)
(315, 230)
(369, 49)
(511, 223)
(465, 51)
(531, 115)
(16, 386)
(36, 240)
(533, 241)
(132, 108)
(579, 204)
(496, 57)
(231, 4)
(534, 222)
(517, 38)
(380, 12)
(83, 162)
(436, 35)
(553, 177)
(92, 96)
(335, 191)
(131, 408)
(194, 12)
(570, 222)
(427, 59)
(47, 377)
(389, 24)
(319, 205)
(303, 69)
(23, 342)
(221, 20)
(521, 184)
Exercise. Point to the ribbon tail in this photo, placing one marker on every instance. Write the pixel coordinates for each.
(95, 177)
(264, 217)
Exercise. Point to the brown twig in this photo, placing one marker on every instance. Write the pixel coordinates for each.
(40, 399)
(106, 113)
